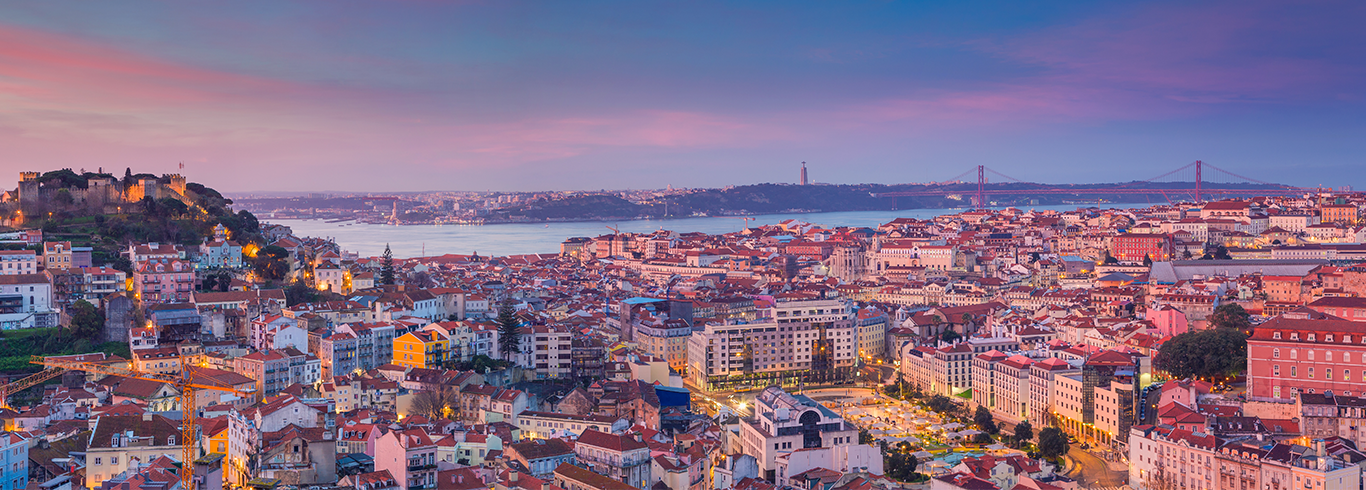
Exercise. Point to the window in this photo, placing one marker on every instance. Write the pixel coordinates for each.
(1276, 370)
(1293, 371)
(1311, 337)
(1327, 373)
(1294, 354)
(1311, 373)
(1276, 353)
(1327, 338)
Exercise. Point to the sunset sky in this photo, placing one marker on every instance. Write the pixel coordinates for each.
(506, 95)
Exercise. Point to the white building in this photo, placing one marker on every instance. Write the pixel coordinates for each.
(26, 301)
(786, 342)
(784, 423)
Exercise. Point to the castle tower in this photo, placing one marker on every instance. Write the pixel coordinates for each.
(28, 186)
(804, 173)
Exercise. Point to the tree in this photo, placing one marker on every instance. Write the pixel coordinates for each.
(1187, 254)
(1110, 259)
(1024, 431)
(386, 267)
(941, 404)
(1231, 315)
(509, 339)
(864, 437)
(436, 404)
(210, 283)
(172, 207)
(272, 263)
(1052, 443)
(299, 292)
(1208, 353)
(86, 321)
(949, 336)
(1147, 260)
(985, 421)
(1159, 479)
(224, 280)
(899, 464)
(982, 438)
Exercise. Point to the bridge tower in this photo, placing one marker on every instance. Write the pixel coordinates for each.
(1198, 168)
(981, 186)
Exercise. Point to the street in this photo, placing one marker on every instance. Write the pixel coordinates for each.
(1092, 472)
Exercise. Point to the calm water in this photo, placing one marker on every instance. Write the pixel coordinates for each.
(512, 239)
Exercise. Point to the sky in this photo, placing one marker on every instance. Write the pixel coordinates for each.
(506, 95)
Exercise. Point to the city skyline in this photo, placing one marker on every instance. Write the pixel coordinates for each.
(510, 96)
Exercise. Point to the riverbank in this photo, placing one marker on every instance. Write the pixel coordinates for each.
(545, 237)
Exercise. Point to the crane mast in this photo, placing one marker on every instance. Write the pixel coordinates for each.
(184, 382)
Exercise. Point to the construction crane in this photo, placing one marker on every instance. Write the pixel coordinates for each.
(746, 219)
(186, 382)
(30, 381)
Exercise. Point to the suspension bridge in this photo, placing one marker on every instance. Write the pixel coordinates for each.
(1196, 188)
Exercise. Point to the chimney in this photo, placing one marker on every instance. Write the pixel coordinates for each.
(146, 416)
(513, 476)
(545, 484)
(638, 438)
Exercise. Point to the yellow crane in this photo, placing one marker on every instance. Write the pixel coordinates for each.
(28, 382)
(185, 382)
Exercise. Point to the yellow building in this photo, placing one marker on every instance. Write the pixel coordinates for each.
(425, 349)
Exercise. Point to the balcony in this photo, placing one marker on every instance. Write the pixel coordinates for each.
(420, 467)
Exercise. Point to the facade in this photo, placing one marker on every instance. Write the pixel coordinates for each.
(62, 256)
(338, 355)
(872, 333)
(1164, 457)
(624, 458)
(812, 342)
(408, 455)
(14, 262)
(1305, 351)
(1043, 376)
(784, 423)
(219, 254)
(26, 301)
(163, 281)
(13, 461)
(116, 441)
(1132, 247)
(423, 349)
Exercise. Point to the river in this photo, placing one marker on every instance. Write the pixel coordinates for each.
(526, 238)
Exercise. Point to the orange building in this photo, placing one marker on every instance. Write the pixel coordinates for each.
(424, 349)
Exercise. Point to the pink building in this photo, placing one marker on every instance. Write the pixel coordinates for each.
(163, 281)
(1168, 320)
(1306, 351)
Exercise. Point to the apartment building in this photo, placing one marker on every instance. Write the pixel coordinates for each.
(811, 341)
(13, 262)
(1306, 351)
(621, 457)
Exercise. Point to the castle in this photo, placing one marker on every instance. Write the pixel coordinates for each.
(101, 191)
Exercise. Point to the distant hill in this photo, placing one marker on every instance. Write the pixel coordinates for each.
(787, 198)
